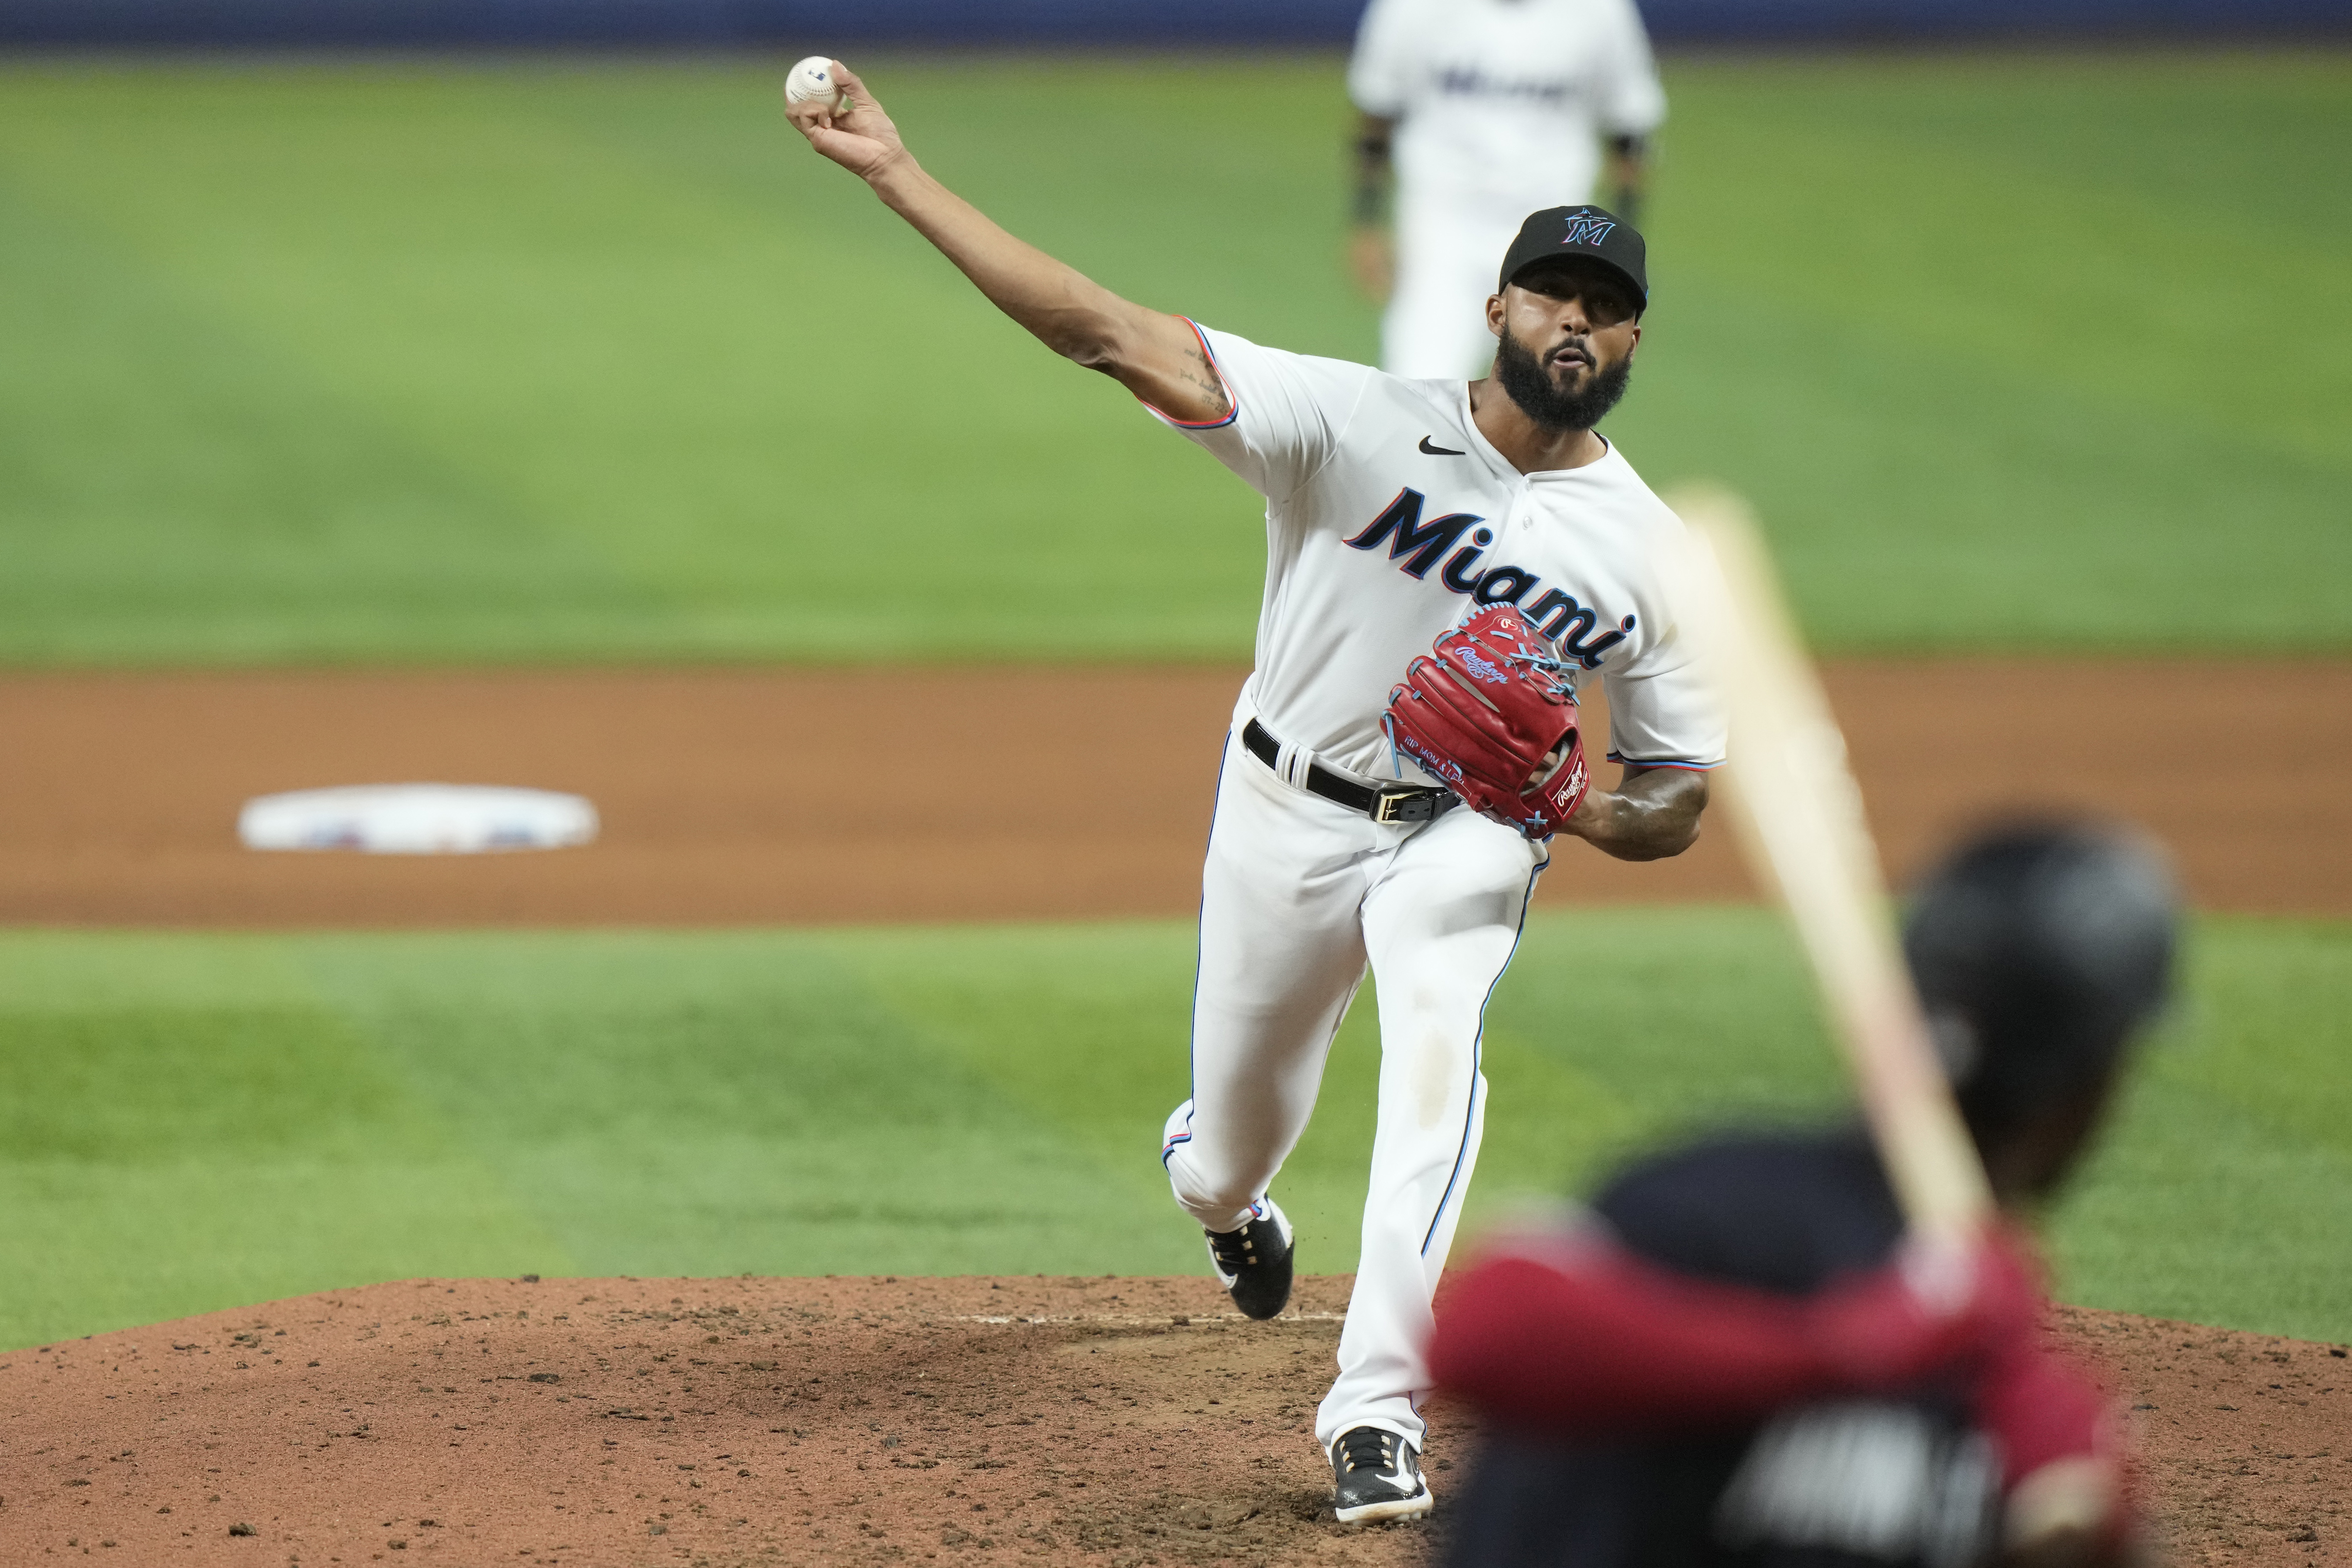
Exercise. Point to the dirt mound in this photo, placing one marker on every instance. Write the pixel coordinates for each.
(878, 1421)
(758, 796)
(2245, 1439)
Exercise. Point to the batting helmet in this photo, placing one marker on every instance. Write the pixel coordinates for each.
(2040, 950)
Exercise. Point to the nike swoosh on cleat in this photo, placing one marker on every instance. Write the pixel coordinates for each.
(1430, 451)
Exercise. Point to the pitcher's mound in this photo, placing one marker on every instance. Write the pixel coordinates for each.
(875, 1421)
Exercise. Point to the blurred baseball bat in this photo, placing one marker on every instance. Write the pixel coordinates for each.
(1800, 819)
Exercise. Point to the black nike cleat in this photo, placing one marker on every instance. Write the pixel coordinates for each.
(1376, 1475)
(1253, 1262)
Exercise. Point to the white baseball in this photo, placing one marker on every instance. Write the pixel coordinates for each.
(811, 81)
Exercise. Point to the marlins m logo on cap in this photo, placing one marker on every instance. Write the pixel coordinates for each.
(1588, 230)
(1595, 234)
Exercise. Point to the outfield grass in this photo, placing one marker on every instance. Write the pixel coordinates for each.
(189, 1122)
(416, 363)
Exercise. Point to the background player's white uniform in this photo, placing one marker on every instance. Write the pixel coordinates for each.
(1374, 547)
(1501, 105)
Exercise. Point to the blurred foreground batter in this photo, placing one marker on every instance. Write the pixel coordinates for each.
(1737, 1357)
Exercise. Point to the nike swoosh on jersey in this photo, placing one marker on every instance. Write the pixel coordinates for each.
(1428, 450)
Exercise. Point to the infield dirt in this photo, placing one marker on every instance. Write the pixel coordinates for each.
(1039, 1420)
(1047, 1421)
(815, 797)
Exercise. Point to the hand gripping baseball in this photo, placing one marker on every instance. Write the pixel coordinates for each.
(857, 135)
(1488, 712)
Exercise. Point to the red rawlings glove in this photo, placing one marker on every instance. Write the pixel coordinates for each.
(1488, 712)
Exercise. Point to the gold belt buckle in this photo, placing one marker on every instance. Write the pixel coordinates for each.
(1385, 812)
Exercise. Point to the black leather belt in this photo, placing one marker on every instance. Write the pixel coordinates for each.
(1405, 804)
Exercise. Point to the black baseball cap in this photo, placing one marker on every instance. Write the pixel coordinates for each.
(1596, 234)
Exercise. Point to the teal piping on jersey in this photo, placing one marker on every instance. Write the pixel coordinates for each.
(1232, 399)
(1477, 1056)
(1688, 767)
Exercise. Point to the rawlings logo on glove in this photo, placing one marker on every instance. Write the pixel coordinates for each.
(1490, 711)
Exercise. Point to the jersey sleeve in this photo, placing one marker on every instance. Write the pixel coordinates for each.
(1379, 72)
(1661, 713)
(1288, 412)
(1629, 99)
(2063, 1461)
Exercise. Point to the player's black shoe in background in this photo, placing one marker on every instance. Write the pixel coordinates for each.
(1253, 1262)
(1376, 1475)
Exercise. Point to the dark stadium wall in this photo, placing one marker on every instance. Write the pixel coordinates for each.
(791, 24)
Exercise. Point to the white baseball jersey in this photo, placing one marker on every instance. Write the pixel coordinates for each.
(1388, 515)
(1506, 97)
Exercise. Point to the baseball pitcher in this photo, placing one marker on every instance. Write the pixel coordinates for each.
(1447, 562)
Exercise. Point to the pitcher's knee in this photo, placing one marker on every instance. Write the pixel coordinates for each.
(1217, 1204)
(1209, 1200)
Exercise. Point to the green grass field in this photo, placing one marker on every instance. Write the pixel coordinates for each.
(417, 363)
(420, 364)
(189, 1122)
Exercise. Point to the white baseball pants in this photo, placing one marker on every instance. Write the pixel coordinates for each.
(1449, 248)
(1298, 894)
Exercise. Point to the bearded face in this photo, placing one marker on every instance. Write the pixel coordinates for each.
(1566, 330)
(1566, 389)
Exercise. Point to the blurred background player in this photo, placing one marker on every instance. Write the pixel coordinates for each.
(1485, 110)
(1774, 1389)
